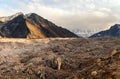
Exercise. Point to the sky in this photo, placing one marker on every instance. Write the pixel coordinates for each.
(72, 14)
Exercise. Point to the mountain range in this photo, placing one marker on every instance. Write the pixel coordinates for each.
(30, 26)
(34, 26)
(83, 32)
(114, 31)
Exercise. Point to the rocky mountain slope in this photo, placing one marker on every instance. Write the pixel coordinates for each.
(60, 58)
(31, 26)
(114, 31)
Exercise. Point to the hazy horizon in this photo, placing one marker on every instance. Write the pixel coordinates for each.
(72, 14)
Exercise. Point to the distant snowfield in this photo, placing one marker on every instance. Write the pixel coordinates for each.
(83, 33)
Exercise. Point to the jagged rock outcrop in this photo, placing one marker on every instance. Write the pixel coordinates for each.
(1, 24)
(31, 26)
(114, 31)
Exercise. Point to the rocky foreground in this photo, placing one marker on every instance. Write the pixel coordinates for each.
(58, 58)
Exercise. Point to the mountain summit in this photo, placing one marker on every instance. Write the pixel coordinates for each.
(114, 31)
(30, 26)
(8, 18)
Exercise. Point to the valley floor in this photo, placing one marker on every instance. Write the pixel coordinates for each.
(60, 58)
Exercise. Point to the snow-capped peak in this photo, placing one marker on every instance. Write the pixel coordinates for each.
(8, 18)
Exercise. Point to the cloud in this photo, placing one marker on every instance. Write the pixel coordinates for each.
(80, 14)
(93, 20)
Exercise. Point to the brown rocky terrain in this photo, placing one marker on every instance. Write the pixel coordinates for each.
(60, 58)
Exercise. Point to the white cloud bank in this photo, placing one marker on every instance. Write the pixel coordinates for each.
(80, 14)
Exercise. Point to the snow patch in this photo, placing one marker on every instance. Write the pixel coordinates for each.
(8, 18)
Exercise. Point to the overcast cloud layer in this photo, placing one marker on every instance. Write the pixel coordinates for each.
(74, 14)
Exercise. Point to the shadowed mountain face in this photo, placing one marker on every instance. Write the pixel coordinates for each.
(114, 31)
(15, 28)
(31, 26)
